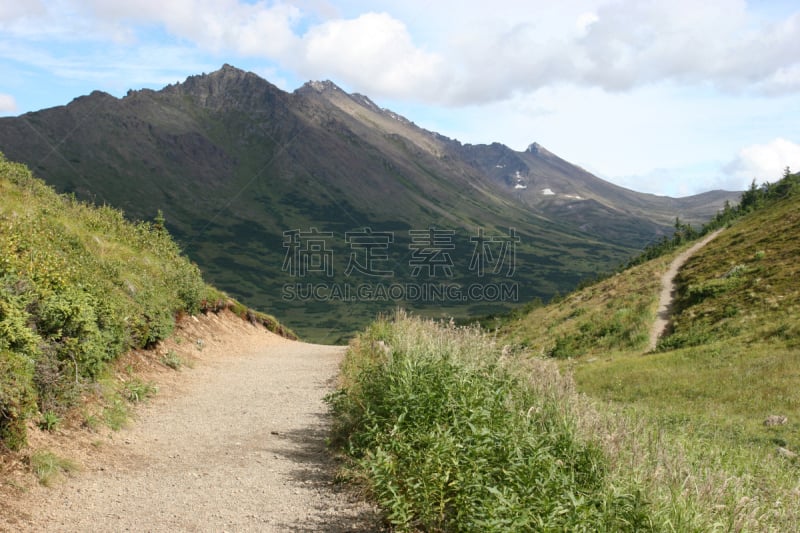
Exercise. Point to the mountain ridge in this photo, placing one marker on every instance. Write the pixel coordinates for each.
(234, 162)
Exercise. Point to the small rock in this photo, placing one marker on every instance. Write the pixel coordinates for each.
(789, 454)
(385, 348)
(775, 420)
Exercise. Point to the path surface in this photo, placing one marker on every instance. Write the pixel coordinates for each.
(668, 288)
(241, 448)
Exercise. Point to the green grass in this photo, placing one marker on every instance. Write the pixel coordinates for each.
(116, 414)
(696, 407)
(452, 432)
(49, 421)
(50, 468)
(136, 390)
(614, 314)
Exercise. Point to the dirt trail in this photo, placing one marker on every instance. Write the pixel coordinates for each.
(668, 289)
(240, 448)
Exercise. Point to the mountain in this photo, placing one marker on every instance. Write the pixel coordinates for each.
(290, 200)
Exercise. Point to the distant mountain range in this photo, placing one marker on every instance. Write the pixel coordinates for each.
(289, 200)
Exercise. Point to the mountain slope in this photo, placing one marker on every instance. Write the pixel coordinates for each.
(240, 168)
(564, 191)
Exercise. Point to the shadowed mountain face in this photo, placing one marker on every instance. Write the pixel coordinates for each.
(295, 202)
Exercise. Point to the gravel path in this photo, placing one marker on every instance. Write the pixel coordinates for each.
(240, 448)
(668, 288)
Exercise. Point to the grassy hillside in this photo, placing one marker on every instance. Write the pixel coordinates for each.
(79, 285)
(730, 362)
(733, 352)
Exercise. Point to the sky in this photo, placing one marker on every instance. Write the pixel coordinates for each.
(670, 97)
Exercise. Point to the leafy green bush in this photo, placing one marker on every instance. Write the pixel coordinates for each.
(449, 438)
(17, 352)
(79, 285)
(17, 397)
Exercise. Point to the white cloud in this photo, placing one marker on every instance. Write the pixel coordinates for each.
(258, 29)
(7, 103)
(473, 52)
(620, 87)
(764, 162)
(373, 52)
(585, 20)
(10, 11)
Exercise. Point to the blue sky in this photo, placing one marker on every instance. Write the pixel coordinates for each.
(671, 97)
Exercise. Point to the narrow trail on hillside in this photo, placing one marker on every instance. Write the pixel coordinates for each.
(666, 299)
(241, 447)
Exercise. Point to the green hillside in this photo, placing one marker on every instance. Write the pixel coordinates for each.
(730, 362)
(733, 352)
(79, 285)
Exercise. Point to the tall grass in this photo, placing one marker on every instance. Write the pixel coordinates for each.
(450, 435)
(450, 431)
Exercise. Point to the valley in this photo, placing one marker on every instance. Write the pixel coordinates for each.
(244, 173)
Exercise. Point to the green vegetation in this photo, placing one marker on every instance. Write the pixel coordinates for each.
(136, 390)
(450, 432)
(451, 435)
(49, 421)
(172, 360)
(49, 468)
(78, 286)
(729, 363)
(611, 315)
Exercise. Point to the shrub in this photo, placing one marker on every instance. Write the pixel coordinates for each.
(79, 285)
(172, 360)
(17, 397)
(18, 348)
(449, 438)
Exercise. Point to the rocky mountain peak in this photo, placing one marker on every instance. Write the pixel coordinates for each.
(321, 87)
(537, 149)
(227, 88)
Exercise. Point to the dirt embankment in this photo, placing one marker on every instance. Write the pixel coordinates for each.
(236, 443)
